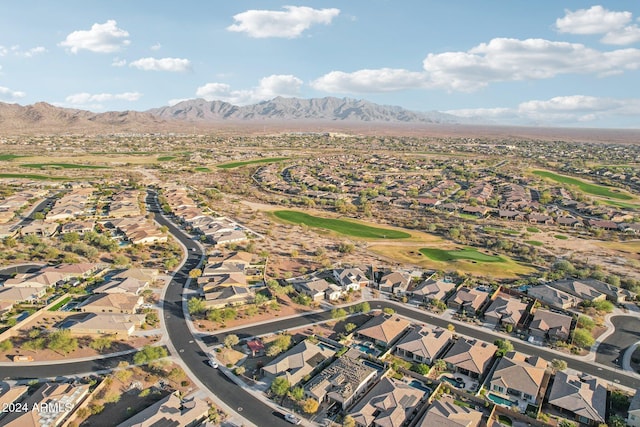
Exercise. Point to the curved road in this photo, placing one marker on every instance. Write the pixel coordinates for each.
(612, 349)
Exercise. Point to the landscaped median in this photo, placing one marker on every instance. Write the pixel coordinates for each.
(341, 226)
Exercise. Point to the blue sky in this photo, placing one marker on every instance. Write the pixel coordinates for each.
(569, 63)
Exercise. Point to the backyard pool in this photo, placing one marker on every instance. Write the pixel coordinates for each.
(453, 382)
(420, 386)
(326, 346)
(500, 400)
(373, 365)
(367, 349)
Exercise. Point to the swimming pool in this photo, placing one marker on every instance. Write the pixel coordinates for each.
(373, 365)
(453, 382)
(326, 346)
(367, 350)
(500, 400)
(420, 386)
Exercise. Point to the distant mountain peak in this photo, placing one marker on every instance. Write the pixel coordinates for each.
(283, 108)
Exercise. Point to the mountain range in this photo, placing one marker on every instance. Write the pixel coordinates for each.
(46, 118)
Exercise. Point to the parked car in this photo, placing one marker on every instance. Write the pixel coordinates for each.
(292, 419)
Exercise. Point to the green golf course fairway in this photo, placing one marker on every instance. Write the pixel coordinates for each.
(596, 190)
(348, 228)
(471, 254)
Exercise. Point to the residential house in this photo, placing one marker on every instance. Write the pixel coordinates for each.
(148, 275)
(383, 330)
(79, 227)
(603, 224)
(468, 300)
(56, 402)
(470, 357)
(553, 297)
(223, 296)
(395, 282)
(423, 344)
(509, 214)
(479, 211)
(445, 412)
(319, 289)
(433, 290)
(584, 397)
(13, 295)
(301, 360)
(569, 221)
(613, 293)
(390, 403)
(39, 228)
(170, 411)
(81, 270)
(127, 286)
(537, 218)
(350, 278)
(548, 325)
(519, 376)
(633, 418)
(342, 382)
(111, 303)
(579, 288)
(505, 311)
(119, 325)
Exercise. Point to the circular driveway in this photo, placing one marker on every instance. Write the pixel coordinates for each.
(627, 333)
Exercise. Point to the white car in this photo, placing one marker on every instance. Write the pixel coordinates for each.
(292, 419)
(213, 363)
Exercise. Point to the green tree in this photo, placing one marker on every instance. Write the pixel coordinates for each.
(297, 393)
(388, 310)
(101, 343)
(348, 421)
(196, 305)
(280, 386)
(338, 313)
(558, 364)
(619, 400)
(6, 345)
(349, 327)
(504, 346)
(585, 322)
(420, 368)
(231, 340)
(149, 354)
(439, 365)
(346, 248)
(195, 273)
(616, 421)
(62, 341)
(583, 338)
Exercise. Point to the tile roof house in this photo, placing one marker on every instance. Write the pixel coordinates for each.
(423, 344)
(579, 288)
(395, 282)
(505, 311)
(467, 299)
(127, 286)
(549, 325)
(383, 330)
(470, 357)
(553, 297)
(613, 293)
(15, 295)
(59, 400)
(301, 360)
(350, 278)
(390, 403)
(433, 290)
(223, 296)
(341, 382)
(584, 397)
(519, 376)
(319, 289)
(111, 303)
(444, 412)
(120, 325)
(170, 411)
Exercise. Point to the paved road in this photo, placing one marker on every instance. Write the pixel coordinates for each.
(179, 334)
(611, 350)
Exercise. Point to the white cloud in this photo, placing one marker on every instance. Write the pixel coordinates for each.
(117, 62)
(15, 50)
(269, 87)
(368, 81)
(87, 98)
(102, 38)
(598, 20)
(558, 110)
(10, 95)
(156, 46)
(162, 64)
(288, 24)
(499, 60)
